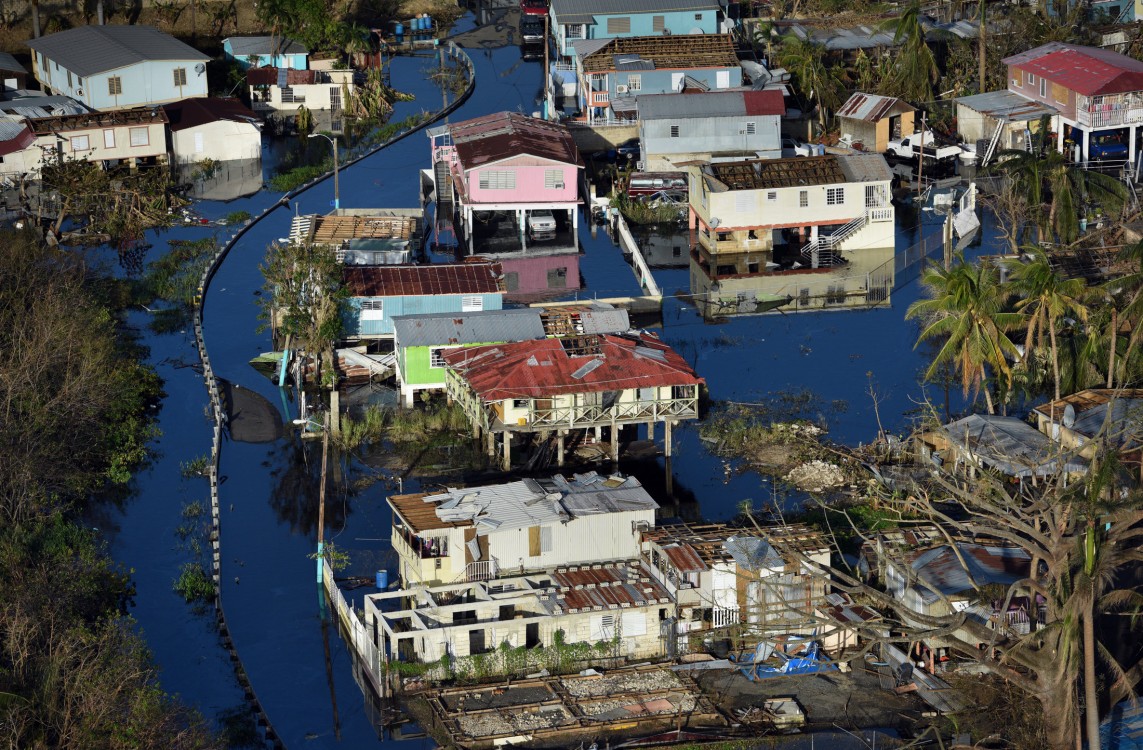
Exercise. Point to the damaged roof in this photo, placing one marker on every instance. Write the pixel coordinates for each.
(1005, 105)
(586, 588)
(940, 570)
(763, 174)
(419, 281)
(1011, 446)
(584, 364)
(1086, 70)
(503, 135)
(687, 52)
(1116, 412)
(873, 107)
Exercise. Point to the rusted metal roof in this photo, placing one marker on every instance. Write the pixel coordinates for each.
(872, 107)
(598, 587)
(269, 77)
(503, 135)
(686, 52)
(89, 120)
(419, 281)
(763, 174)
(685, 558)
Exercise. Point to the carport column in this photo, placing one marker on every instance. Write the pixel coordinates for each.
(490, 442)
(1086, 146)
(667, 438)
(1060, 139)
(468, 226)
(522, 222)
(575, 211)
(614, 441)
(1131, 146)
(560, 447)
(507, 450)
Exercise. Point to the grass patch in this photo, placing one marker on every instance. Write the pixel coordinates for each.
(194, 584)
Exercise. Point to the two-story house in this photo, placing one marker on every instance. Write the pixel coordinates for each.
(560, 385)
(702, 126)
(377, 294)
(477, 533)
(608, 19)
(134, 137)
(775, 230)
(266, 52)
(611, 76)
(118, 67)
(1093, 96)
(513, 182)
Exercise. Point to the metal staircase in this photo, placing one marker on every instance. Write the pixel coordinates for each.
(1027, 140)
(825, 251)
(995, 142)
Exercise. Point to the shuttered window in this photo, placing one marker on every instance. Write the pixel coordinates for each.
(1059, 93)
(471, 304)
(180, 76)
(114, 86)
(140, 137)
(621, 25)
(674, 131)
(750, 129)
(80, 143)
(372, 309)
(533, 541)
(498, 179)
(658, 23)
(109, 139)
(554, 179)
(436, 356)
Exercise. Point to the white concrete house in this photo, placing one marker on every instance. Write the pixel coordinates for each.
(210, 128)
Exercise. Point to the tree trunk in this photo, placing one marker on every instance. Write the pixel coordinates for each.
(36, 18)
(1055, 355)
(1090, 699)
(988, 399)
(1111, 353)
(981, 47)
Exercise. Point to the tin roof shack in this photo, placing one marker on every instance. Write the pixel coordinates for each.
(519, 175)
(286, 89)
(420, 341)
(818, 229)
(365, 236)
(478, 533)
(1080, 421)
(266, 51)
(605, 19)
(617, 602)
(15, 139)
(723, 575)
(133, 137)
(611, 76)
(573, 383)
(999, 116)
(118, 66)
(704, 126)
(380, 293)
(870, 121)
(1006, 445)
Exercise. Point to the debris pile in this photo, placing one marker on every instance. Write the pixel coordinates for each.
(617, 683)
(491, 723)
(816, 475)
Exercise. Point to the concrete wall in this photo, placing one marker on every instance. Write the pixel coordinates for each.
(224, 140)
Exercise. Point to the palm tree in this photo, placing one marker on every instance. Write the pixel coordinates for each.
(916, 69)
(819, 82)
(965, 309)
(1045, 298)
(1126, 293)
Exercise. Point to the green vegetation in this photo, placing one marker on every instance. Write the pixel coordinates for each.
(175, 278)
(298, 176)
(560, 657)
(196, 467)
(75, 675)
(194, 583)
(236, 217)
(425, 426)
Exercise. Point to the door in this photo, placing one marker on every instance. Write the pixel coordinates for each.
(677, 82)
(532, 635)
(722, 79)
(476, 641)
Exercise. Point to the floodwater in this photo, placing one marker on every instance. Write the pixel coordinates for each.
(300, 671)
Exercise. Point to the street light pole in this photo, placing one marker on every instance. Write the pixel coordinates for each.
(336, 187)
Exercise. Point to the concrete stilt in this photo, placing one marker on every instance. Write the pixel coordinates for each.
(334, 412)
(598, 433)
(490, 443)
(651, 431)
(560, 447)
(614, 443)
(507, 451)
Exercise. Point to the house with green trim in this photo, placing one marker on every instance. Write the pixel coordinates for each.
(419, 341)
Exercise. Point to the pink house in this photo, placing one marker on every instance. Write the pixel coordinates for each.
(513, 181)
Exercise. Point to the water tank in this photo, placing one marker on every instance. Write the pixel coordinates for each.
(399, 30)
(382, 579)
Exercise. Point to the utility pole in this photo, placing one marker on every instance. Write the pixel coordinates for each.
(547, 73)
(921, 152)
(321, 500)
(981, 45)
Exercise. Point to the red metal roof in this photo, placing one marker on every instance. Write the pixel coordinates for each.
(765, 102)
(872, 107)
(414, 281)
(190, 113)
(20, 141)
(503, 135)
(539, 369)
(1085, 70)
(684, 558)
(585, 588)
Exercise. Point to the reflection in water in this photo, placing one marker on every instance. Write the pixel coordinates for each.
(865, 281)
(230, 180)
(663, 245)
(295, 497)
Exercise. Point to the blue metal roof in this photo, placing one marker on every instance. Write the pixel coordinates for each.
(484, 327)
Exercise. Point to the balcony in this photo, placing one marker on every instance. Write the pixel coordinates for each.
(1114, 110)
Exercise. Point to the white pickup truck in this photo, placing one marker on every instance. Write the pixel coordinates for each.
(925, 144)
(541, 224)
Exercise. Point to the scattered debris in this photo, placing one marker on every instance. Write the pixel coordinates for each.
(816, 475)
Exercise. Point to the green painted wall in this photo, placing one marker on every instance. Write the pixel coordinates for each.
(415, 368)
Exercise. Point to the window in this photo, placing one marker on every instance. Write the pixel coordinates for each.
(436, 356)
(750, 129)
(620, 25)
(554, 179)
(658, 24)
(874, 196)
(69, 79)
(772, 196)
(498, 179)
(474, 303)
(574, 31)
(698, 16)
(835, 295)
(114, 86)
(78, 81)
(674, 131)
(80, 143)
(1043, 88)
(109, 139)
(521, 403)
(557, 278)
(602, 627)
(511, 281)
(180, 76)
(835, 196)
(372, 309)
(634, 82)
(803, 199)
(1031, 79)
(140, 137)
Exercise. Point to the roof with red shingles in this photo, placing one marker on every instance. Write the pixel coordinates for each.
(1086, 70)
(542, 369)
(419, 281)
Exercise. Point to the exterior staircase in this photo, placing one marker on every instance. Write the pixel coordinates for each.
(826, 251)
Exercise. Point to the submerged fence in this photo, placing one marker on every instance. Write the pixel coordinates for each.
(218, 413)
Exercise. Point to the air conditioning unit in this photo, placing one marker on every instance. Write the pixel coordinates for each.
(79, 92)
(620, 89)
(558, 186)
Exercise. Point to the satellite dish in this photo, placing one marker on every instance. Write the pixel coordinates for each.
(1069, 417)
(714, 222)
(200, 68)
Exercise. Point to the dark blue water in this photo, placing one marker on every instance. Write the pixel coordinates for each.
(269, 493)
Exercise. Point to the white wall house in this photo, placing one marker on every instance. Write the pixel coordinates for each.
(285, 90)
(118, 67)
(676, 128)
(107, 138)
(211, 128)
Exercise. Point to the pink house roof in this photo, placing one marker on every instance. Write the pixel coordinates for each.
(1086, 70)
(545, 368)
(503, 135)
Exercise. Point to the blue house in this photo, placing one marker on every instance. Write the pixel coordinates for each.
(118, 67)
(610, 19)
(377, 294)
(266, 52)
(613, 73)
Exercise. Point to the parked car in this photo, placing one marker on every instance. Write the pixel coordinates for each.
(541, 224)
(1108, 147)
(793, 147)
(531, 28)
(627, 151)
(534, 7)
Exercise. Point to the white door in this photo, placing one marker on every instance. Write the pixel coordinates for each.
(722, 79)
(198, 143)
(677, 82)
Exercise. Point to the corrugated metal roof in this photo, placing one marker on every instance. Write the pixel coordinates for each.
(1117, 413)
(687, 52)
(483, 327)
(9, 63)
(540, 369)
(502, 135)
(1010, 445)
(14, 136)
(416, 281)
(684, 558)
(1087, 70)
(585, 47)
(1005, 105)
(191, 113)
(711, 104)
(605, 321)
(43, 106)
(269, 77)
(583, 588)
(872, 107)
(87, 50)
(584, 11)
(940, 570)
(241, 46)
(865, 167)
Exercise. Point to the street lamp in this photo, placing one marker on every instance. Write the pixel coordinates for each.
(336, 188)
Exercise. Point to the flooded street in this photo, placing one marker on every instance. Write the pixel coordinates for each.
(300, 671)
